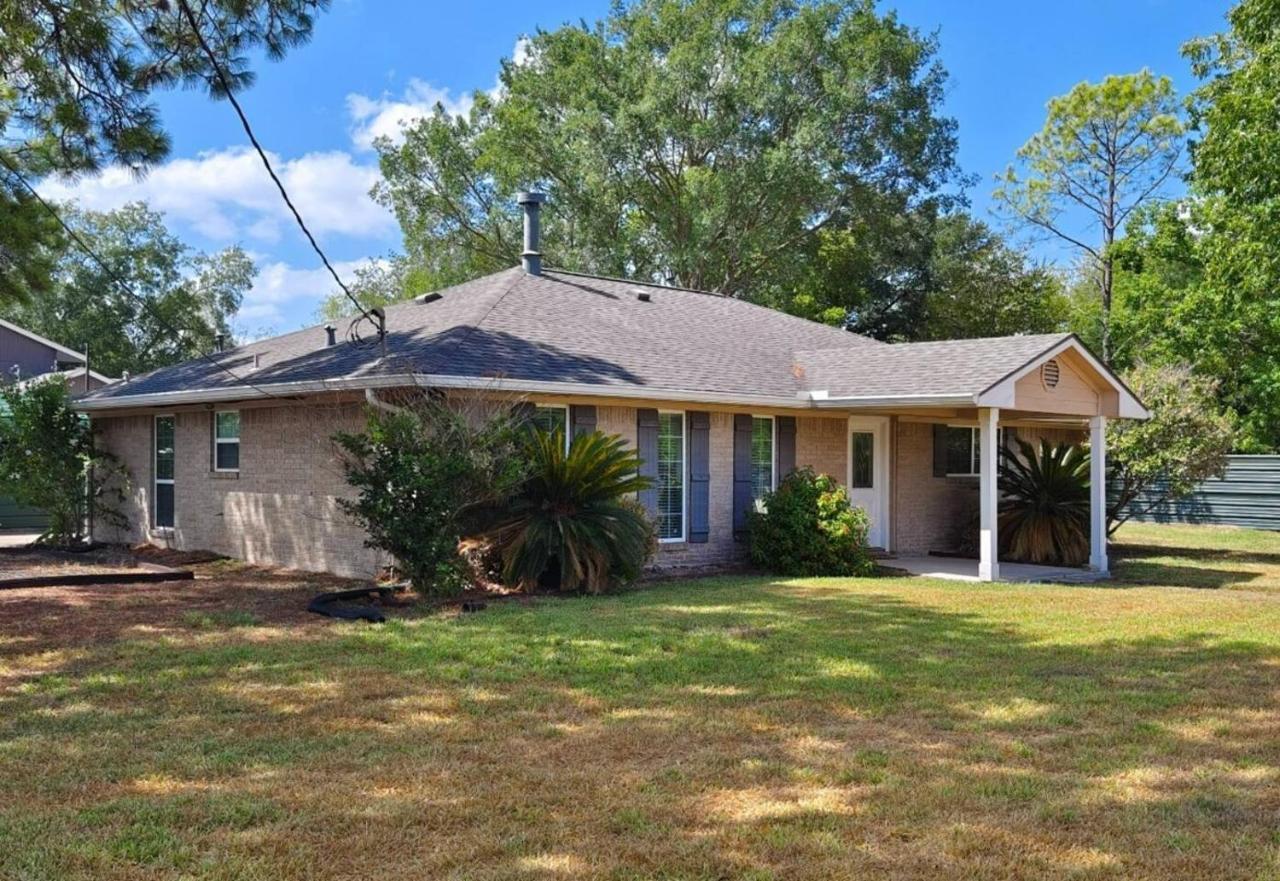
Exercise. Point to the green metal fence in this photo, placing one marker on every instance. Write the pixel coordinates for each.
(1247, 495)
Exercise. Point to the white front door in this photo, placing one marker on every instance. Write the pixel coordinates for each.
(868, 477)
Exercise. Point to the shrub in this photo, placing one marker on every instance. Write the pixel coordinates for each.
(809, 528)
(573, 518)
(48, 461)
(1044, 509)
(1153, 462)
(424, 475)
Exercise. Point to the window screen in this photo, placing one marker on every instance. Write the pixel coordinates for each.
(761, 456)
(671, 476)
(226, 441)
(164, 470)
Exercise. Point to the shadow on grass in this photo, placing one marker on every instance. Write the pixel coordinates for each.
(705, 729)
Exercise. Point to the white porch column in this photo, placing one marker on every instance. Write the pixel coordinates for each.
(1098, 494)
(988, 540)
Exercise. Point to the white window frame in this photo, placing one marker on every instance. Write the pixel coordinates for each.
(975, 441)
(684, 474)
(225, 440)
(773, 442)
(568, 424)
(156, 480)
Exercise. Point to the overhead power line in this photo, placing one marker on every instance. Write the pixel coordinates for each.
(225, 83)
(115, 277)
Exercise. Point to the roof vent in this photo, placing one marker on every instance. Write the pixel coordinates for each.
(219, 342)
(332, 335)
(644, 296)
(1050, 373)
(430, 298)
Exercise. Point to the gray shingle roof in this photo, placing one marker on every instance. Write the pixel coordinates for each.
(562, 327)
(951, 367)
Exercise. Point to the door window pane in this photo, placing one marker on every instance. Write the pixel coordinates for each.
(863, 459)
(761, 456)
(671, 476)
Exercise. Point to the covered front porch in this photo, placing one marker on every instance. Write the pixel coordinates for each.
(936, 507)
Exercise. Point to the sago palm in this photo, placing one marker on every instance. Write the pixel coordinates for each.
(1044, 505)
(575, 512)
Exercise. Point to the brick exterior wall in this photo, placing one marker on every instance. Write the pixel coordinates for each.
(822, 443)
(280, 509)
(928, 511)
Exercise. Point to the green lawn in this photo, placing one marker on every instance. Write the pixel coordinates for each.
(722, 728)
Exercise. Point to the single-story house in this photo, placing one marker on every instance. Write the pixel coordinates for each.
(721, 397)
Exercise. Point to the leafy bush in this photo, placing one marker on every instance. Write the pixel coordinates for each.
(48, 461)
(425, 474)
(572, 515)
(1044, 509)
(809, 528)
(1185, 442)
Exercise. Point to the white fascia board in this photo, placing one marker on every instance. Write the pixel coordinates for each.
(880, 401)
(1002, 393)
(261, 391)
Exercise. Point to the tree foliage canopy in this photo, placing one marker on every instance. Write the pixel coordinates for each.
(77, 79)
(1104, 150)
(172, 287)
(713, 144)
(48, 460)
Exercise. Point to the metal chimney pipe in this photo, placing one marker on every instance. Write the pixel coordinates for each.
(219, 342)
(531, 257)
(332, 334)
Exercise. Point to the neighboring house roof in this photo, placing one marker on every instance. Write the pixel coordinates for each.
(578, 334)
(70, 377)
(71, 354)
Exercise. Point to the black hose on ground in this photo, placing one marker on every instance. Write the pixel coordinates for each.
(324, 604)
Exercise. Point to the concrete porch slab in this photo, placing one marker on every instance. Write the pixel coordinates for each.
(961, 569)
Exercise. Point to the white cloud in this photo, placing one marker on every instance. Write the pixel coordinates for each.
(226, 195)
(282, 293)
(387, 116)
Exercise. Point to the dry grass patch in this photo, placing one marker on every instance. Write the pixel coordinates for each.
(722, 728)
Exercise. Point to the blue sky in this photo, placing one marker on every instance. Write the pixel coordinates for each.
(371, 64)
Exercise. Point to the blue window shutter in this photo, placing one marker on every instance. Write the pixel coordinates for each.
(939, 451)
(786, 446)
(523, 412)
(742, 502)
(699, 476)
(582, 420)
(647, 448)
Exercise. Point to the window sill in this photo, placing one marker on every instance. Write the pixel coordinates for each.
(225, 475)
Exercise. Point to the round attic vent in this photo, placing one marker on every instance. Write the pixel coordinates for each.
(1050, 373)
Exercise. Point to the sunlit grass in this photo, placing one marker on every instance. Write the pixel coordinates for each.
(721, 728)
(1199, 556)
